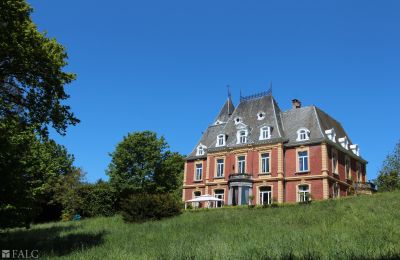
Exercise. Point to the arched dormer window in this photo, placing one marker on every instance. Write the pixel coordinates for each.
(220, 140)
(265, 133)
(260, 115)
(238, 120)
(200, 150)
(344, 142)
(303, 134)
(241, 137)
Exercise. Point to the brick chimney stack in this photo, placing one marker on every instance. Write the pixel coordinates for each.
(296, 103)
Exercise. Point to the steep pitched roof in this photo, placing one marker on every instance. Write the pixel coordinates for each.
(226, 111)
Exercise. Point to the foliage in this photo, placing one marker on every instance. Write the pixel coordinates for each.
(362, 227)
(142, 207)
(98, 199)
(141, 163)
(30, 168)
(32, 79)
(389, 176)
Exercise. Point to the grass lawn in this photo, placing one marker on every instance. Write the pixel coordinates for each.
(360, 227)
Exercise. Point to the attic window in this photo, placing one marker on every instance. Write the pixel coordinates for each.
(344, 142)
(217, 122)
(220, 140)
(331, 134)
(355, 149)
(260, 115)
(241, 137)
(265, 133)
(200, 150)
(238, 120)
(303, 134)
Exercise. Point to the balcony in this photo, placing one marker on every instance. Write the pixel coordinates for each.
(240, 177)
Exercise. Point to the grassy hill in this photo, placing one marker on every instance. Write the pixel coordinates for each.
(359, 227)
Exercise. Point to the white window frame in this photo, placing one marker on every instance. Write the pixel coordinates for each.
(200, 150)
(359, 172)
(336, 190)
(302, 160)
(265, 133)
(220, 168)
(264, 159)
(269, 195)
(219, 195)
(241, 164)
(347, 167)
(260, 115)
(198, 171)
(335, 166)
(331, 134)
(303, 193)
(242, 138)
(219, 138)
(344, 142)
(303, 134)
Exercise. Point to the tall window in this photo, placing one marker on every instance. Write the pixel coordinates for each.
(334, 162)
(359, 174)
(304, 193)
(220, 167)
(336, 190)
(265, 195)
(347, 168)
(242, 137)
(303, 161)
(220, 140)
(199, 171)
(265, 133)
(265, 163)
(219, 194)
(242, 164)
(196, 195)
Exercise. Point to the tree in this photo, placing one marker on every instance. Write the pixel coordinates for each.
(389, 176)
(143, 163)
(32, 79)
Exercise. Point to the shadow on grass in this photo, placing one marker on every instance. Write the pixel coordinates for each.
(50, 241)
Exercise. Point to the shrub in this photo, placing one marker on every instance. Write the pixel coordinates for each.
(142, 207)
(98, 200)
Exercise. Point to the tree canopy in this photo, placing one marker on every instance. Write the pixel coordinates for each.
(389, 176)
(32, 79)
(142, 162)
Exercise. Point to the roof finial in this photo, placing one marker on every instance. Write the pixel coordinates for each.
(270, 89)
(229, 91)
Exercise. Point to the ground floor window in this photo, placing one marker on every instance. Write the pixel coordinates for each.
(265, 195)
(219, 194)
(196, 195)
(336, 190)
(304, 193)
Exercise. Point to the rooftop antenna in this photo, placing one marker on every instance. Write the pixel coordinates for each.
(229, 91)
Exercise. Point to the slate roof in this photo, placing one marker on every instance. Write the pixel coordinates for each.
(284, 125)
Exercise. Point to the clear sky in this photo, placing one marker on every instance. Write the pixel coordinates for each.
(164, 66)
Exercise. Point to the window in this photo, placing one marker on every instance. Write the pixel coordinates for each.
(238, 120)
(336, 190)
(196, 195)
(344, 142)
(220, 140)
(219, 194)
(331, 134)
(242, 137)
(303, 161)
(265, 163)
(260, 115)
(265, 133)
(304, 193)
(200, 150)
(359, 174)
(303, 134)
(220, 167)
(334, 161)
(354, 148)
(242, 164)
(265, 195)
(347, 168)
(199, 171)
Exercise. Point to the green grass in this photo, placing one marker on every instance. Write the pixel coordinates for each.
(353, 228)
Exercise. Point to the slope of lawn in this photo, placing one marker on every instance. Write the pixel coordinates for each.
(359, 227)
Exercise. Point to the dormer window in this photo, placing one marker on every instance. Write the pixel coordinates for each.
(265, 133)
(200, 150)
(220, 140)
(344, 142)
(242, 137)
(303, 134)
(218, 122)
(331, 134)
(238, 120)
(355, 149)
(260, 115)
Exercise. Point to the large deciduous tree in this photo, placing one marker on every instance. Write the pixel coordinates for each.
(142, 163)
(389, 176)
(32, 79)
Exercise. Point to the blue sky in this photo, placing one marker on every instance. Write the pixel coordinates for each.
(164, 66)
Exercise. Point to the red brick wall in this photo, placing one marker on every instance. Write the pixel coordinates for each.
(190, 168)
(315, 159)
(316, 189)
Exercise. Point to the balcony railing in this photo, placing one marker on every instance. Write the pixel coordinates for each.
(364, 186)
(240, 177)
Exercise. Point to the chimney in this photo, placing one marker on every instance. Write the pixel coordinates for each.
(296, 103)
